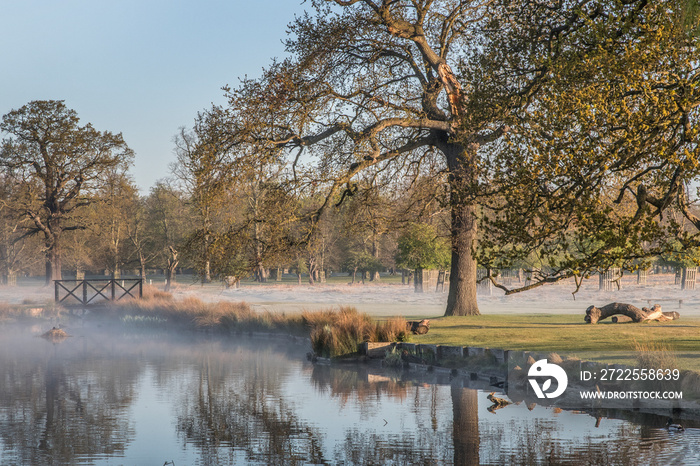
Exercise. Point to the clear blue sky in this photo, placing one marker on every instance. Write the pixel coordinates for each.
(140, 67)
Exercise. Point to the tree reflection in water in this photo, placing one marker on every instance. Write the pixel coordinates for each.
(426, 440)
(238, 404)
(55, 409)
(465, 424)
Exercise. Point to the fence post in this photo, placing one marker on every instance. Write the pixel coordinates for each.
(688, 278)
(141, 289)
(641, 276)
(55, 284)
(113, 282)
(85, 300)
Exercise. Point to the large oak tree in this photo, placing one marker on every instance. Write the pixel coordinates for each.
(62, 164)
(399, 85)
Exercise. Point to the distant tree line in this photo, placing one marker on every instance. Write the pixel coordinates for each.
(68, 205)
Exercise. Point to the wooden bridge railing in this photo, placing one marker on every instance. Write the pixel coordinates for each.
(89, 290)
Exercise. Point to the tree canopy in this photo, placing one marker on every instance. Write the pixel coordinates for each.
(599, 169)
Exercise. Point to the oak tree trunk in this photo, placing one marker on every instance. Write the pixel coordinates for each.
(207, 243)
(207, 272)
(374, 275)
(142, 263)
(53, 257)
(461, 300)
(312, 270)
(170, 270)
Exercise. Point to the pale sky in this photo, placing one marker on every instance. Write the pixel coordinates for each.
(140, 67)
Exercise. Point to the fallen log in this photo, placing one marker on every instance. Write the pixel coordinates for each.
(628, 313)
(594, 314)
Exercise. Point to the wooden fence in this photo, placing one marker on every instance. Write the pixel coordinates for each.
(92, 290)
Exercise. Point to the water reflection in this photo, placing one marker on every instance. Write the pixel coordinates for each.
(465, 425)
(57, 407)
(147, 399)
(235, 408)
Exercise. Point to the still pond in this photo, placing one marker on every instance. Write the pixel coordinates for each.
(109, 397)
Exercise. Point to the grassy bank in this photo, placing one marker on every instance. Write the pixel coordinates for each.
(568, 334)
(337, 332)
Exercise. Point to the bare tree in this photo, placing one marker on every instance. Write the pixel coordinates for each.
(205, 171)
(169, 221)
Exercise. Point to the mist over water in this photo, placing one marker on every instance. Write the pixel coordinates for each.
(106, 396)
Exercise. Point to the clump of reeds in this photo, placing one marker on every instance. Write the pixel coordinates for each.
(23, 311)
(192, 312)
(554, 358)
(338, 333)
(393, 358)
(142, 321)
(335, 333)
(5, 311)
(394, 329)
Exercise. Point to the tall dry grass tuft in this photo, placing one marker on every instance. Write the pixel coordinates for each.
(5, 311)
(652, 355)
(333, 332)
(337, 333)
(13, 312)
(394, 329)
(150, 292)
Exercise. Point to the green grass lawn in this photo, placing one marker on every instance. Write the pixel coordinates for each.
(567, 335)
